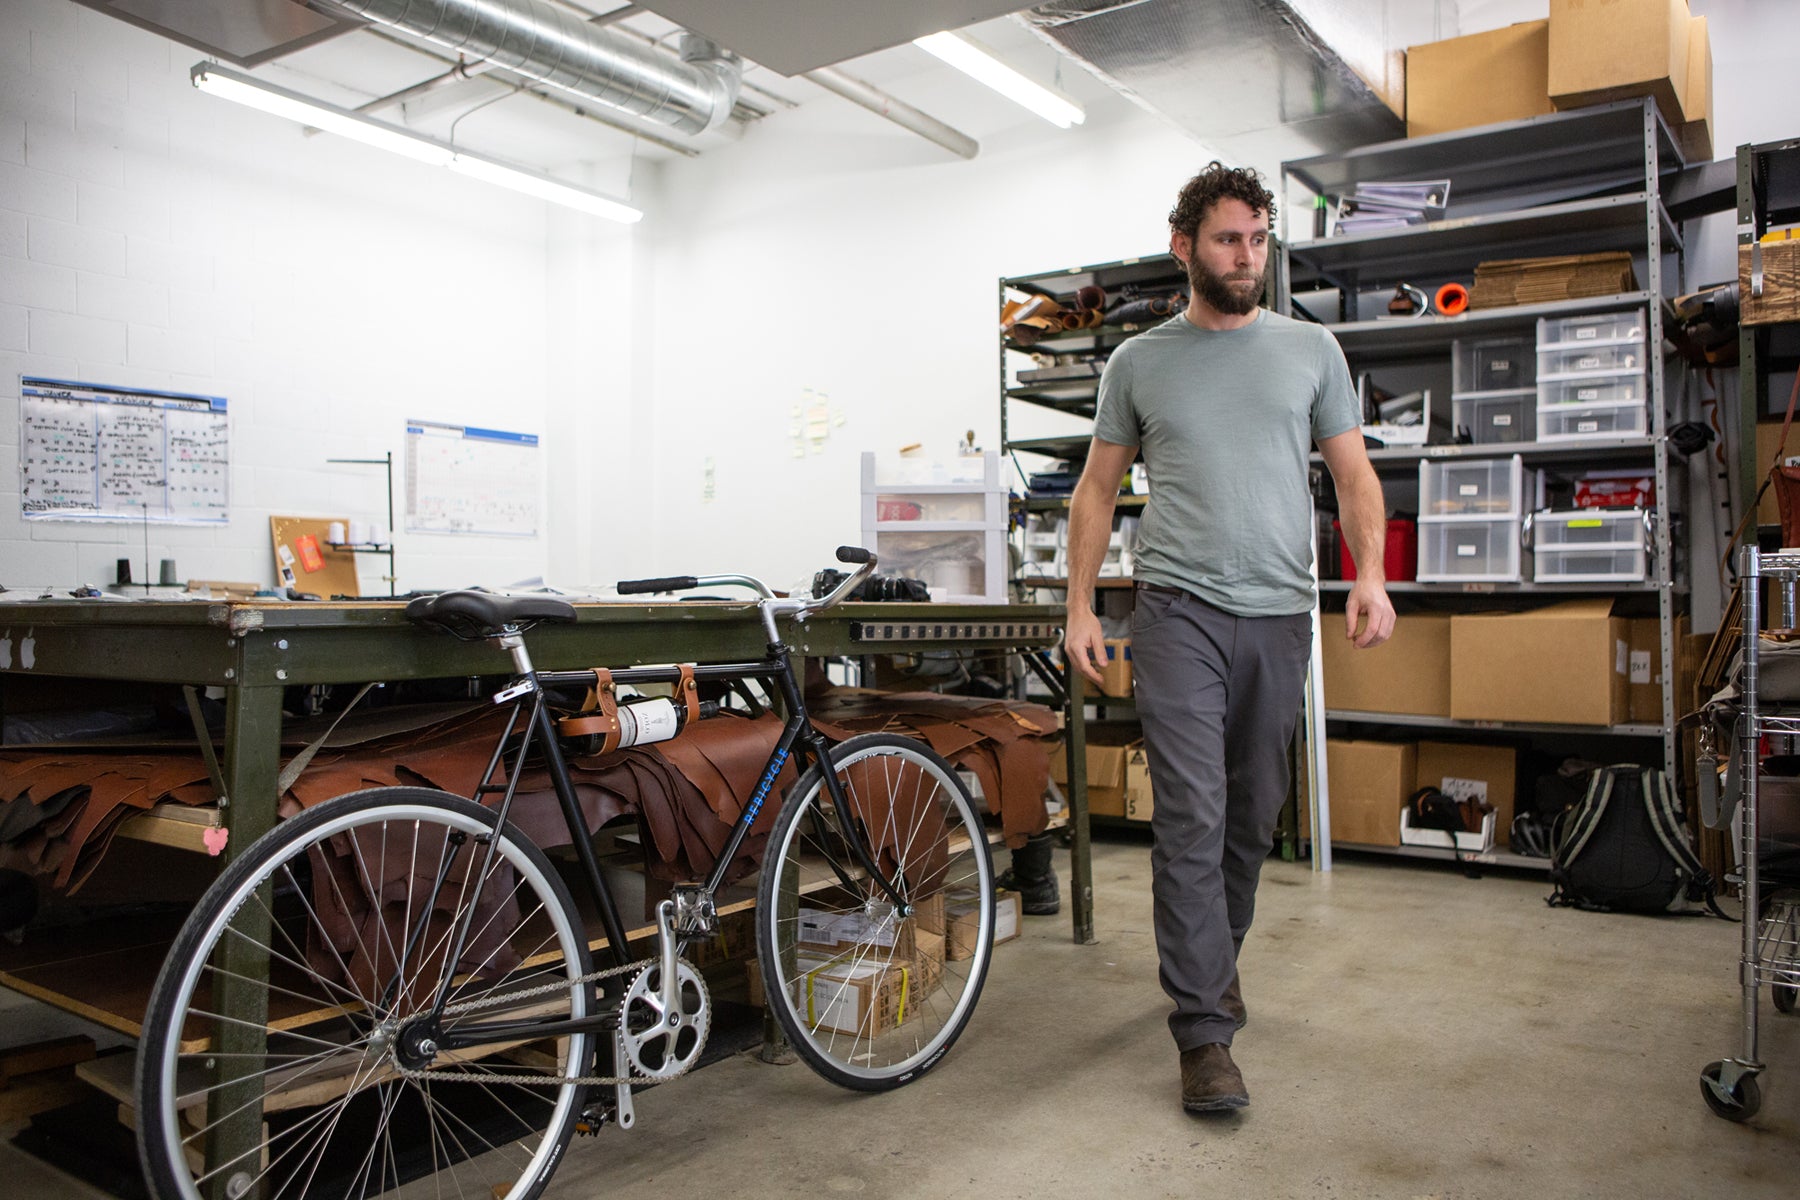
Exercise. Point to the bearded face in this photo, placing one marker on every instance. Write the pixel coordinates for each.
(1235, 294)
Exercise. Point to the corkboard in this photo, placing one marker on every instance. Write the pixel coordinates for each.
(335, 574)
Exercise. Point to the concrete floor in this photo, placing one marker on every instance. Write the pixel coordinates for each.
(1413, 1034)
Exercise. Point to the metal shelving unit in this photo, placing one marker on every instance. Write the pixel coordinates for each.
(1582, 181)
(1768, 194)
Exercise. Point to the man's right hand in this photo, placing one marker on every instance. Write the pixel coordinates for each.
(1084, 644)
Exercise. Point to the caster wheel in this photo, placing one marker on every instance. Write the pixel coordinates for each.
(1739, 1104)
(1784, 995)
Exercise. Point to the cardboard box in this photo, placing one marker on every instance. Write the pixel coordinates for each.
(848, 997)
(1696, 103)
(1115, 680)
(1107, 749)
(1369, 782)
(1645, 671)
(962, 918)
(1408, 673)
(1140, 800)
(1471, 769)
(1780, 301)
(1502, 75)
(928, 962)
(827, 933)
(1565, 664)
(1603, 50)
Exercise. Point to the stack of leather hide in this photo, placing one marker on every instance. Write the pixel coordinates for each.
(1003, 742)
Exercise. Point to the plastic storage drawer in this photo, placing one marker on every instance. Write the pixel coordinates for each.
(1589, 546)
(1590, 360)
(1580, 422)
(1587, 527)
(1489, 488)
(1555, 332)
(1601, 389)
(1493, 364)
(1469, 551)
(1497, 417)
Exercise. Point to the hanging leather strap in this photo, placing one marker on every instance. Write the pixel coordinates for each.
(600, 717)
(687, 693)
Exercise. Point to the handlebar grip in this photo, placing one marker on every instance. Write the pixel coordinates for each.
(673, 583)
(853, 554)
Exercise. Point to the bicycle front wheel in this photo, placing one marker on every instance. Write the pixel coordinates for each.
(871, 998)
(288, 1048)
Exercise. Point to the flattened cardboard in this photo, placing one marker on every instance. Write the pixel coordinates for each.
(1565, 664)
(1408, 673)
(1602, 50)
(1369, 783)
(1481, 79)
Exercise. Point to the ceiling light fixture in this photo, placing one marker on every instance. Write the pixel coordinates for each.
(977, 62)
(234, 85)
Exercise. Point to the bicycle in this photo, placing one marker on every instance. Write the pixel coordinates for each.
(397, 987)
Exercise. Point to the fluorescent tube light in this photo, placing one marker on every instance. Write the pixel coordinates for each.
(267, 97)
(229, 85)
(976, 62)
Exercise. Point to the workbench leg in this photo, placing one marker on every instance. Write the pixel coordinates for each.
(1081, 860)
(252, 751)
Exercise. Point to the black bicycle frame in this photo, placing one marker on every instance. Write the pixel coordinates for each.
(797, 732)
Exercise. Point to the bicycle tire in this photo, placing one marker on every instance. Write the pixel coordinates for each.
(321, 992)
(867, 1015)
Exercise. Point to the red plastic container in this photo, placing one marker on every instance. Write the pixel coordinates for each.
(1401, 558)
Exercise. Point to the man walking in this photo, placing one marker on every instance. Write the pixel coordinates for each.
(1225, 402)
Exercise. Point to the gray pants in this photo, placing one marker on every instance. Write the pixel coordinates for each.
(1218, 696)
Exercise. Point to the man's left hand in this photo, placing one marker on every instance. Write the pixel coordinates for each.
(1370, 608)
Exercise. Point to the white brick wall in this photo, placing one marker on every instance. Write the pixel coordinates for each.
(155, 237)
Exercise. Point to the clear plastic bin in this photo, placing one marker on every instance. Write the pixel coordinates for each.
(1490, 487)
(1589, 564)
(926, 506)
(1578, 422)
(1493, 364)
(1556, 332)
(1590, 360)
(1588, 527)
(1455, 551)
(1601, 389)
(1498, 417)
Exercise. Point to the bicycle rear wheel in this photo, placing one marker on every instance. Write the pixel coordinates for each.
(281, 1052)
(869, 999)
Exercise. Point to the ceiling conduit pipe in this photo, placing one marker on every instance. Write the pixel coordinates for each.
(549, 44)
(897, 111)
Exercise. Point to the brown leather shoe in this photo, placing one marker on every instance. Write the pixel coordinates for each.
(1210, 1082)
(1233, 1003)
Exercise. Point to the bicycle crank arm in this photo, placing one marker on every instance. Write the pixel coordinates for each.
(669, 989)
(622, 1111)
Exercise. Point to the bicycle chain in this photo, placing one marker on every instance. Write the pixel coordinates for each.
(641, 965)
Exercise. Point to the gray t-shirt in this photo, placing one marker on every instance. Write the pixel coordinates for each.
(1226, 419)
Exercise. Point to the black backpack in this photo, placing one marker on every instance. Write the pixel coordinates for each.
(1625, 848)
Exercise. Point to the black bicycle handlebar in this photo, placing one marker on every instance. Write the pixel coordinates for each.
(852, 554)
(673, 583)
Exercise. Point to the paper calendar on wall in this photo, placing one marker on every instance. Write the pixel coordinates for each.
(93, 452)
(460, 479)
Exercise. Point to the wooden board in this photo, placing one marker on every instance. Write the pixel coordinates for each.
(336, 572)
(1780, 300)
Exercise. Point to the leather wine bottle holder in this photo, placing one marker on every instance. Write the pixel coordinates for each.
(599, 715)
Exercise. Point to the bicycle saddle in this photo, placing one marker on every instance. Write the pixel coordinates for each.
(484, 614)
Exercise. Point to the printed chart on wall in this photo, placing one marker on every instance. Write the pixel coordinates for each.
(94, 452)
(460, 479)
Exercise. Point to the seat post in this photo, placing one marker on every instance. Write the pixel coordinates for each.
(510, 639)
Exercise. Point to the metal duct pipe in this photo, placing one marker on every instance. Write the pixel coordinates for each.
(554, 46)
(897, 111)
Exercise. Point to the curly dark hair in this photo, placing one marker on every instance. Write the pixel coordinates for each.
(1215, 183)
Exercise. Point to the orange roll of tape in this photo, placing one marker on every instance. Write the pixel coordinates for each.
(1452, 298)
